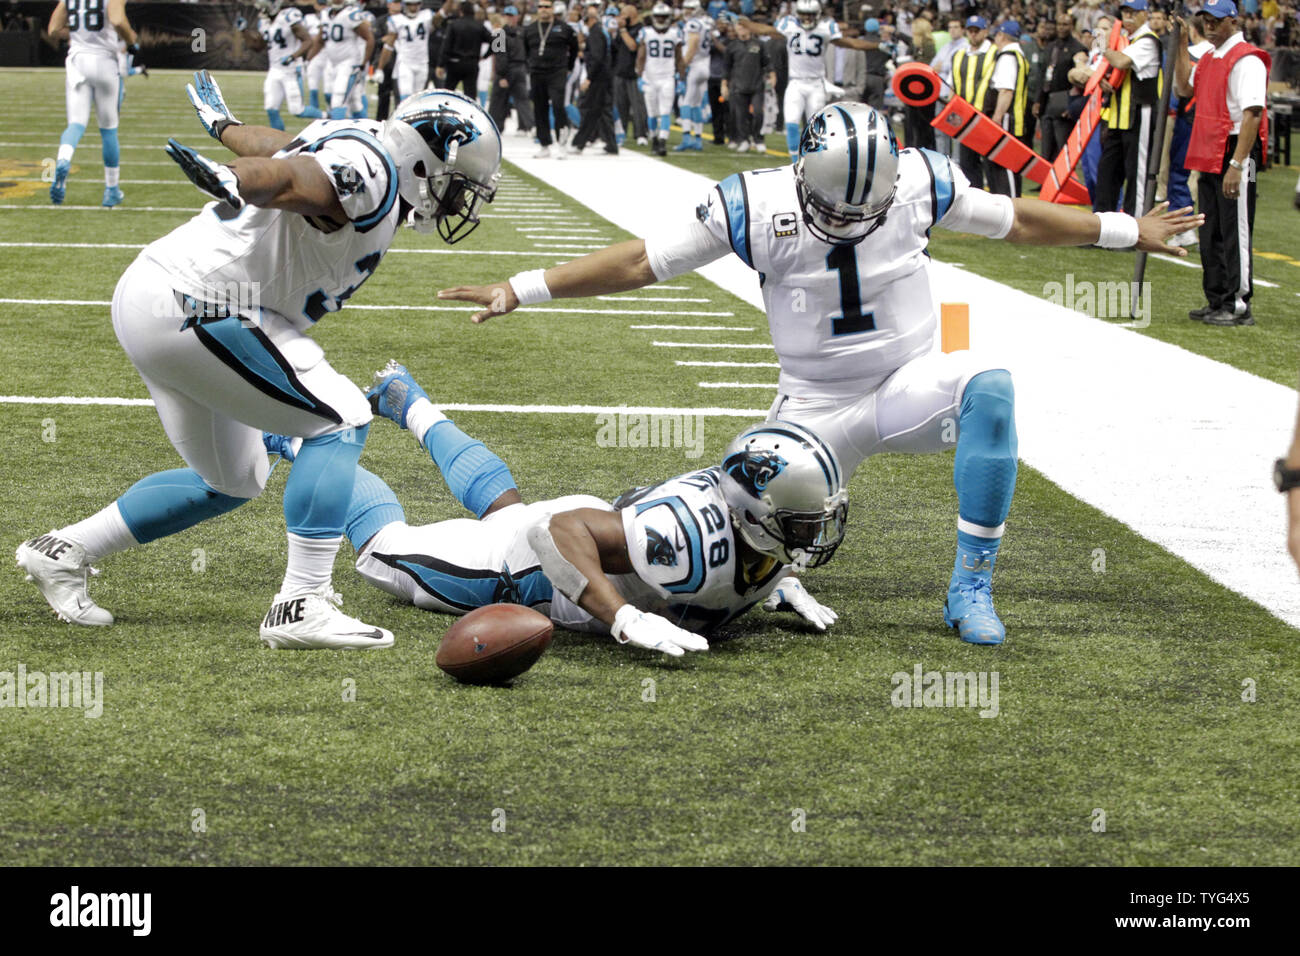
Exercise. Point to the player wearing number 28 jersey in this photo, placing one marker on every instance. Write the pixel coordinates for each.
(838, 242)
(213, 316)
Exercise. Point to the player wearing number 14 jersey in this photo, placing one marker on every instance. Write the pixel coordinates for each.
(838, 241)
(213, 317)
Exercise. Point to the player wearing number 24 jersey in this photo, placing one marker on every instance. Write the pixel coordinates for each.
(656, 568)
(838, 243)
(213, 317)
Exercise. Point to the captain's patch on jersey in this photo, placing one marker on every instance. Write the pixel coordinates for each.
(785, 225)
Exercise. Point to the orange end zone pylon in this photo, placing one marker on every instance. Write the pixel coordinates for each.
(954, 326)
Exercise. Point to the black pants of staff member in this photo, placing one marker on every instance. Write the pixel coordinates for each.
(464, 75)
(1227, 269)
(1001, 180)
(972, 164)
(873, 91)
(1125, 162)
(782, 81)
(917, 130)
(1056, 130)
(514, 92)
(548, 92)
(721, 115)
(631, 107)
(387, 86)
(596, 107)
(746, 116)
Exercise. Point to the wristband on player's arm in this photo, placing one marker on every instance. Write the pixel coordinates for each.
(1118, 230)
(530, 287)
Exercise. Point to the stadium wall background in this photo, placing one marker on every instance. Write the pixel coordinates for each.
(167, 37)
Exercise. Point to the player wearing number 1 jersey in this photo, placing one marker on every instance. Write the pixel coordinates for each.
(838, 242)
(655, 568)
(214, 317)
(93, 29)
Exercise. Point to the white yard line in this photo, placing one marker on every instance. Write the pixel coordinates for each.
(729, 364)
(770, 386)
(1175, 445)
(695, 328)
(354, 307)
(707, 345)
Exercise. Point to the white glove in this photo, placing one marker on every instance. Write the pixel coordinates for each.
(653, 632)
(790, 595)
(211, 106)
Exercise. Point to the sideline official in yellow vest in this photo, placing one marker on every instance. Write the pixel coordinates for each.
(1010, 89)
(1128, 122)
(972, 70)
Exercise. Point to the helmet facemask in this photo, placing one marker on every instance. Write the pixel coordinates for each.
(450, 202)
(835, 221)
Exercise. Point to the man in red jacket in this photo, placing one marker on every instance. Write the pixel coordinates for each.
(1227, 146)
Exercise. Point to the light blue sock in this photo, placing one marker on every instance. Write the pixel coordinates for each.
(338, 112)
(315, 99)
(319, 489)
(792, 139)
(111, 151)
(475, 475)
(984, 470)
(652, 122)
(72, 135)
(372, 506)
(274, 117)
(170, 501)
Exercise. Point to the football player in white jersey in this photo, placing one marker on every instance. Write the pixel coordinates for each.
(408, 40)
(349, 42)
(658, 61)
(658, 567)
(807, 37)
(126, 67)
(214, 316)
(839, 243)
(316, 60)
(282, 33)
(93, 29)
(696, 31)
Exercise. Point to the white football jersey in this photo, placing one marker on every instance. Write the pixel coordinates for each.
(412, 43)
(301, 268)
(683, 550)
(704, 27)
(660, 61)
(88, 28)
(841, 316)
(339, 29)
(807, 47)
(280, 39)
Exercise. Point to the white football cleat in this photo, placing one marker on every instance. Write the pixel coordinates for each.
(60, 569)
(312, 619)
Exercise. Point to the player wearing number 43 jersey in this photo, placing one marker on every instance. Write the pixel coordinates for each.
(838, 241)
(213, 317)
(662, 567)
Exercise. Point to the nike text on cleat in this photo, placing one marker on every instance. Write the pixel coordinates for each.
(59, 188)
(312, 619)
(969, 609)
(393, 392)
(59, 568)
(112, 196)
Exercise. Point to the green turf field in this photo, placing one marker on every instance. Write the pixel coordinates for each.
(1120, 689)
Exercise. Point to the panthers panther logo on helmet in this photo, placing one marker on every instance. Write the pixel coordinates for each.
(754, 469)
(446, 132)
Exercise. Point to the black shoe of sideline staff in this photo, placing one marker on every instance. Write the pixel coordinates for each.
(611, 150)
(1224, 317)
(1198, 315)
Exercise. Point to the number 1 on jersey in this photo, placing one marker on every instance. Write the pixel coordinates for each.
(844, 260)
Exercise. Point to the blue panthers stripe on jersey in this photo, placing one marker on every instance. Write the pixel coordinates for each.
(735, 203)
(366, 223)
(255, 359)
(694, 578)
(941, 186)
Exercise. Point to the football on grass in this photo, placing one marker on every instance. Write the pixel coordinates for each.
(492, 644)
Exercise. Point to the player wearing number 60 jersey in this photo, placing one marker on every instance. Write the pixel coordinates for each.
(349, 42)
(657, 567)
(213, 317)
(94, 29)
(839, 245)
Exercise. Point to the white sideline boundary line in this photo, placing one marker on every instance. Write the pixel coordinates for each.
(353, 307)
(1173, 444)
(756, 413)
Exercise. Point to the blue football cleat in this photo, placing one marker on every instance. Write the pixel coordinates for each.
(684, 145)
(59, 188)
(113, 196)
(282, 445)
(312, 112)
(969, 609)
(393, 392)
